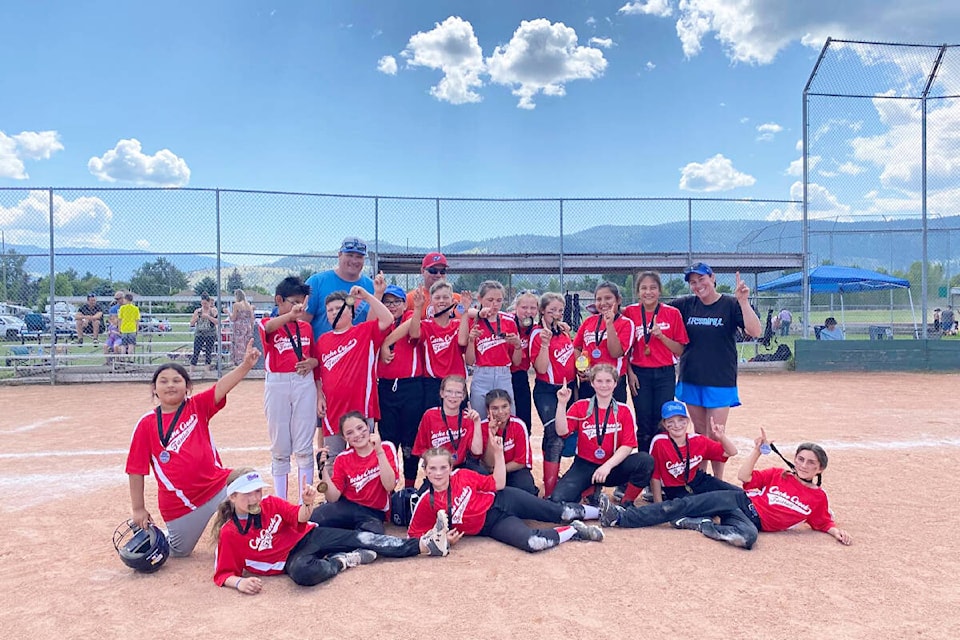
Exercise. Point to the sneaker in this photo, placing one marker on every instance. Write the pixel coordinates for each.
(354, 558)
(618, 494)
(693, 524)
(435, 540)
(96, 343)
(647, 495)
(609, 512)
(588, 532)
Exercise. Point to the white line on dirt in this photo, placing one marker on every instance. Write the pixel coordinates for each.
(33, 425)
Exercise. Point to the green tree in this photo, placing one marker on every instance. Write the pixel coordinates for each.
(158, 278)
(13, 276)
(674, 287)
(206, 286)
(234, 281)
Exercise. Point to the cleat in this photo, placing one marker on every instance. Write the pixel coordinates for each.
(692, 524)
(436, 540)
(354, 558)
(590, 533)
(609, 512)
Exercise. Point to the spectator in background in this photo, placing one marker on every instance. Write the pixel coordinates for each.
(936, 320)
(205, 323)
(433, 269)
(946, 321)
(241, 322)
(117, 302)
(129, 316)
(343, 277)
(831, 331)
(785, 318)
(89, 315)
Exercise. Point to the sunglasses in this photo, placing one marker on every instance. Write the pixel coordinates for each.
(354, 245)
(436, 271)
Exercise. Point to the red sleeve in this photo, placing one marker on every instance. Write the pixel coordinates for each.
(229, 560)
(762, 477)
(480, 481)
(625, 332)
(339, 475)
(422, 442)
(821, 518)
(204, 402)
(391, 451)
(628, 428)
(535, 343)
(658, 460)
(713, 450)
(522, 439)
(578, 339)
(424, 517)
(575, 415)
(678, 329)
(138, 459)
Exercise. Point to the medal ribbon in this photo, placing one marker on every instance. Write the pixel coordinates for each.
(165, 436)
(499, 333)
(455, 443)
(606, 418)
(296, 344)
(252, 519)
(449, 502)
(686, 470)
(648, 328)
(444, 311)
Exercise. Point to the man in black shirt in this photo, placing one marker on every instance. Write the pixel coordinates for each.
(89, 315)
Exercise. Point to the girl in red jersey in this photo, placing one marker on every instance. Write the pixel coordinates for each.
(264, 535)
(400, 380)
(438, 335)
(659, 336)
(348, 356)
(482, 505)
(605, 337)
(514, 435)
(358, 491)
(679, 455)
(774, 499)
(175, 442)
(451, 427)
(606, 436)
(524, 314)
(552, 353)
(492, 345)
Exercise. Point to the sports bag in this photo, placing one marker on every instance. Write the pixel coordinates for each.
(402, 504)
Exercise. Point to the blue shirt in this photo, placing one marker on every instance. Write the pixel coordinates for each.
(323, 284)
(831, 334)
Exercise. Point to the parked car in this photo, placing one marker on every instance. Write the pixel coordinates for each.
(149, 324)
(10, 327)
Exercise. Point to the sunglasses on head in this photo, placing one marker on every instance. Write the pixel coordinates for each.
(354, 245)
(436, 270)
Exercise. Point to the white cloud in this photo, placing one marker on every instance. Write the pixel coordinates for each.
(387, 65)
(659, 8)
(451, 47)
(755, 31)
(649, 66)
(142, 244)
(850, 169)
(541, 57)
(81, 222)
(744, 120)
(767, 131)
(29, 145)
(799, 145)
(796, 167)
(591, 21)
(603, 43)
(126, 162)
(716, 174)
(820, 204)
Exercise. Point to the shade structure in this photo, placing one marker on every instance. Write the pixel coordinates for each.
(834, 279)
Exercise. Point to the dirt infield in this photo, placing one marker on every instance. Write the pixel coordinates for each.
(891, 439)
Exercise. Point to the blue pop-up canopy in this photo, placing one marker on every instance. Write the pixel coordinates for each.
(834, 279)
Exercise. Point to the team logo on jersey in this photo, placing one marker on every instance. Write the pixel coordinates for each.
(180, 435)
(489, 342)
(282, 343)
(705, 322)
(677, 469)
(440, 343)
(664, 326)
(441, 438)
(562, 355)
(590, 429)
(460, 505)
(778, 498)
(331, 358)
(367, 476)
(265, 539)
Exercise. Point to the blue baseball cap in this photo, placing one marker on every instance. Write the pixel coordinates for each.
(700, 267)
(673, 408)
(395, 291)
(353, 245)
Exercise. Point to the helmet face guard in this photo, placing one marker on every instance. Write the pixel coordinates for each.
(143, 550)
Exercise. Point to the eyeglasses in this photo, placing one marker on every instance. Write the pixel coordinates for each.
(393, 302)
(453, 394)
(436, 271)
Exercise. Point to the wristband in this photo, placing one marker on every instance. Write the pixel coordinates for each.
(237, 585)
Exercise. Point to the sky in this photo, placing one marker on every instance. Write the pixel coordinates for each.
(523, 99)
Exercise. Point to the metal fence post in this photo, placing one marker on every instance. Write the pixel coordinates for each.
(376, 234)
(562, 290)
(438, 224)
(219, 291)
(53, 300)
(689, 231)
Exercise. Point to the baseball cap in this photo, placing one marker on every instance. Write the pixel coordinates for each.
(673, 408)
(395, 291)
(432, 259)
(246, 483)
(353, 244)
(700, 267)
(91, 295)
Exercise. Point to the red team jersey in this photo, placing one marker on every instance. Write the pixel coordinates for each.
(561, 357)
(193, 475)
(586, 340)
(358, 479)
(783, 502)
(473, 495)
(407, 360)
(442, 354)
(669, 468)
(621, 429)
(279, 356)
(436, 429)
(491, 349)
(516, 441)
(348, 370)
(672, 326)
(525, 334)
(261, 551)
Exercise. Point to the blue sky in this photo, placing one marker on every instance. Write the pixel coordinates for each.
(512, 99)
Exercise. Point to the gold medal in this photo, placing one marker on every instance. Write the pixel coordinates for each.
(350, 301)
(646, 350)
(582, 363)
(322, 486)
(254, 509)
